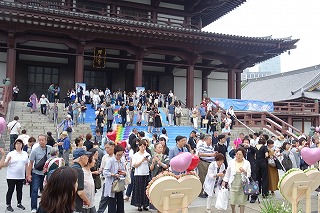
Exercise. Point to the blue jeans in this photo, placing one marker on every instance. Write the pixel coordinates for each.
(13, 137)
(37, 181)
(82, 117)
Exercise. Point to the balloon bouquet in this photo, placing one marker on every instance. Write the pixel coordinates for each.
(176, 191)
(185, 161)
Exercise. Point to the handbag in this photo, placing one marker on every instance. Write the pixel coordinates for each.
(271, 161)
(178, 114)
(127, 179)
(39, 166)
(205, 121)
(251, 187)
(97, 181)
(118, 186)
(222, 199)
(69, 129)
(30, 104)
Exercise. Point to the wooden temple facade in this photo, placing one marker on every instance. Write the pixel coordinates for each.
(123, 44)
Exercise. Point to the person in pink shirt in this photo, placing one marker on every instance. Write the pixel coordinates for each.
(238, 140)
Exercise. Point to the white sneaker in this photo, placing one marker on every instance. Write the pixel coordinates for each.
(208, 210)
(33, 211)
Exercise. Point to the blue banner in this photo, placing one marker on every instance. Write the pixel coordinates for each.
(244, 105)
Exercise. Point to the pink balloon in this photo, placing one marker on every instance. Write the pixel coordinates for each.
(3, 125)
(317, 129)
(181, 162)
(310, 156)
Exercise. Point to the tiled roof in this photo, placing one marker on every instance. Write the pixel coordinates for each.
(284, 86)
(212, 14)
(188, 33)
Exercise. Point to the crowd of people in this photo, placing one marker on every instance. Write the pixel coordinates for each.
(123, 173)
(45, 161)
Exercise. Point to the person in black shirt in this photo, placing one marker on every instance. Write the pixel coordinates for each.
(222, 148)
(132, 136)
(215, 138)
(88, 143)
(80, 158)
(50, 139)
(192, 143)
(123, 114)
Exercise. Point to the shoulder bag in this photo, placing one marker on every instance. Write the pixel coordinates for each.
(251, 187)
(39, 166)
(118, 185)
(271, 161)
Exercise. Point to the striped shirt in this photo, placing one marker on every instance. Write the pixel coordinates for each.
(204, 148)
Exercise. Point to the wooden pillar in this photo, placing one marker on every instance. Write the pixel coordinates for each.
(11, 61)
(290, 120)
(79, 75)
(138, 75)
(317, 119)
(231, 84)
(205, 74)
(238, 85)
(190, 86)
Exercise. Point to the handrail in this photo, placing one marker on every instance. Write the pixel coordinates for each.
(217, 106)
(269, 121)
(183, 104)
(284, 124)
(4, 99)
(298, 107)
(279, 127)
(245, 125)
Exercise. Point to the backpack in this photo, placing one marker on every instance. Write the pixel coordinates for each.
(286, 162)
(50, 166)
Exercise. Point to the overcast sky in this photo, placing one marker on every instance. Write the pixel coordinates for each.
(279, 18)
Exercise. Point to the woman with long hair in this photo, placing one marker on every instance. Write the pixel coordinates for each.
(262, 155)
(273, 174)
(60, 192)
(141, 176)
(157, 119)
(139, 114)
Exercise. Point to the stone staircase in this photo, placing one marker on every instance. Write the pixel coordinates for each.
(35, 123)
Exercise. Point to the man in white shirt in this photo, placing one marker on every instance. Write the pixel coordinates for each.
(15, 92)
(255, 139)
(24, 137)
(233, 116)
(14, 129)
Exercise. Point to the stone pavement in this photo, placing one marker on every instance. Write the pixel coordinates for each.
(197, 206)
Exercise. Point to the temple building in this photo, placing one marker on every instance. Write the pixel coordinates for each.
(124, 44)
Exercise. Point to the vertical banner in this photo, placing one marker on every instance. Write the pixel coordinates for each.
(99, 57)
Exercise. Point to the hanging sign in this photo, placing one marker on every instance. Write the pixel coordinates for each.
(99, 59)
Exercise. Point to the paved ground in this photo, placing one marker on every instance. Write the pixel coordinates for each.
(197, 206)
